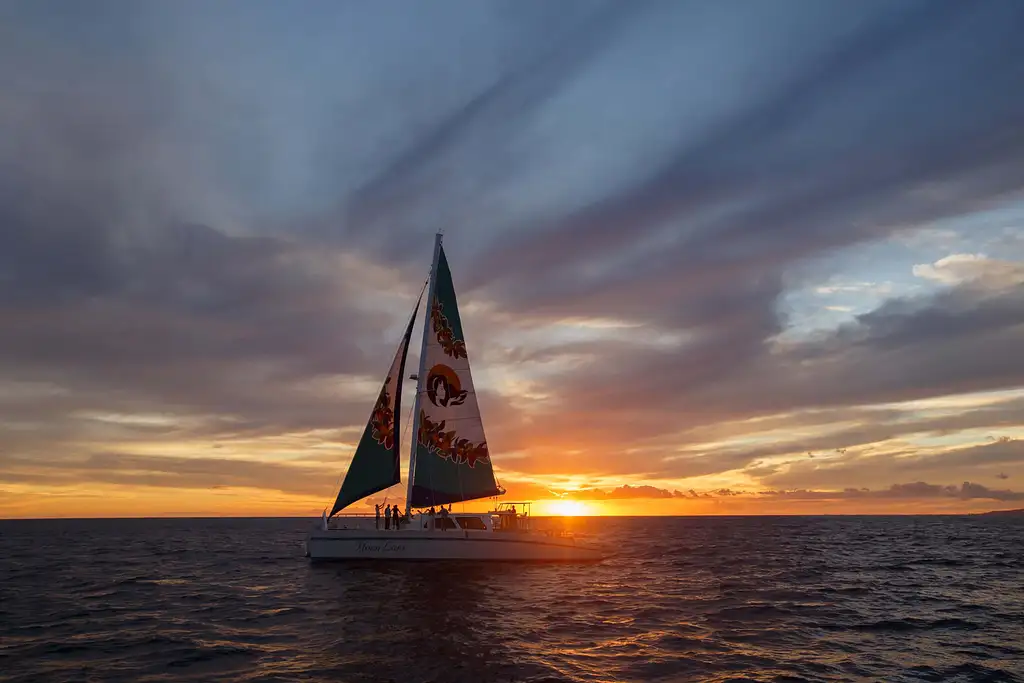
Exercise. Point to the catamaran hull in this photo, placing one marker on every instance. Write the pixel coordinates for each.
(446, 545)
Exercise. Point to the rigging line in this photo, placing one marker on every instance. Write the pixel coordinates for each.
(405, 431)
(423, 289)
(338, 480)
(458, 474)
(408, 419)
(414, 445)
(341, 474)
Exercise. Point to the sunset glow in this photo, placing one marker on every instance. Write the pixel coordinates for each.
(726, 266)
(565, 508)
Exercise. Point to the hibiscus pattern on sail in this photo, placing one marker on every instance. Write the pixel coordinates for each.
(382, 420)
(456, 348)
(449, 445)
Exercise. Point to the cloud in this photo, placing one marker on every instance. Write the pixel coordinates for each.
(196, 232)
(960, 268)
(914, 490)
(737, 202)
(911, 490)
(1000, 452)
(623, 492)
(872, 464)
(168, 472)
(199, 323)
(717, 280)
(960, 340)
(470, 134)
(110, 291)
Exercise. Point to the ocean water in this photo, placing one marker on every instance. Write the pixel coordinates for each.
(685, 599)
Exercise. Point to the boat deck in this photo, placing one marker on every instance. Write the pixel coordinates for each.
(460, 544)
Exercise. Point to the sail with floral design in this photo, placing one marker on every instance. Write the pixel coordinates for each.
(376, 463)
(452, 462)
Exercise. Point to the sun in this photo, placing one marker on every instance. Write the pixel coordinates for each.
(567, 508)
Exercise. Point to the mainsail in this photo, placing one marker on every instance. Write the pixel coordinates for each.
(376, 463)
(451, 459)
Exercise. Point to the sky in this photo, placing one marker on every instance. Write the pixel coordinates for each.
(712, 258)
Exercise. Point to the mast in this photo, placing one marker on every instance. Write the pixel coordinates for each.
(422, 371)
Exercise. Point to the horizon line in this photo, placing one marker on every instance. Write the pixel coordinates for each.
(754, 515)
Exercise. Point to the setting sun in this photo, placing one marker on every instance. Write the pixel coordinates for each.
(566, 508)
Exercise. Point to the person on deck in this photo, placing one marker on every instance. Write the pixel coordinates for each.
(432, 514)
(396, 515)
(444, 518)
(376, 511)
(387, 518)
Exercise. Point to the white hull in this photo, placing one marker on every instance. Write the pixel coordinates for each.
(360, 544)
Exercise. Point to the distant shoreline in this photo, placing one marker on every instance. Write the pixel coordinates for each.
(1004, 513)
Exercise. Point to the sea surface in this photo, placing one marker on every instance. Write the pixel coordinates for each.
(685, 599)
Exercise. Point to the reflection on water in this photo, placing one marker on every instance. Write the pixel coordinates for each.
(700, 599)
(453, 614)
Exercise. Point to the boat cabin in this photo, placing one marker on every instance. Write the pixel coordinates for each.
(456, 522)
(511, 517)
(507, 517)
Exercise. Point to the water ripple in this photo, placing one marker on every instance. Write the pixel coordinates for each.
(708, 599)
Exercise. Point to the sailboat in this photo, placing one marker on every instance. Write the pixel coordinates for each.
(449, 462)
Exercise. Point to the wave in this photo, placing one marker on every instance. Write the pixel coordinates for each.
(708, 599)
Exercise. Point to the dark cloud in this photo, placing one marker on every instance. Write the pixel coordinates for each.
(201, 322)
(109, 294)
(718, 279)
(999, 453)
(169, 471)
(746, 200)
(423, 170)
(192, 227)
(902, 352)
(865, 466)
(718, 282)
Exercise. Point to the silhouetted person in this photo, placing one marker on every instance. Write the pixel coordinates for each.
(387, 518)
(444, 518)
(376, 511)
(396, 515)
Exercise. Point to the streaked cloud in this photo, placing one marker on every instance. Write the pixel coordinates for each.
(699, 249)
